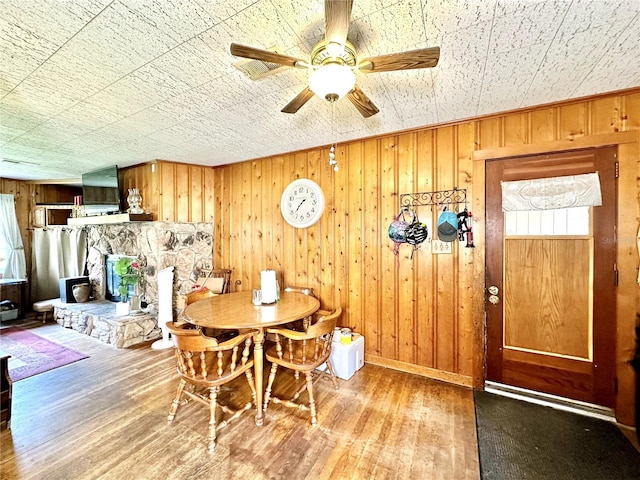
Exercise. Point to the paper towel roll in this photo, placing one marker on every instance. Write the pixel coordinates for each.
(268, 286)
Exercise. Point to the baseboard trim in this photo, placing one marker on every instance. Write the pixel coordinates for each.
(560, 403)
(432, 373)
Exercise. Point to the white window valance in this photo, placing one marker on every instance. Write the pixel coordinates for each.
(552, 193)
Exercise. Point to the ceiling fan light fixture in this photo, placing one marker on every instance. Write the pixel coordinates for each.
(332, 79)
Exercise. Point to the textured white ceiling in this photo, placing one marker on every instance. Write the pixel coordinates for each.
(91, 83)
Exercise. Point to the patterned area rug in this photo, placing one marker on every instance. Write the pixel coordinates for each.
(32, 354)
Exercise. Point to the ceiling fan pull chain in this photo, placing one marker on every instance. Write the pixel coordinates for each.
(332, 151)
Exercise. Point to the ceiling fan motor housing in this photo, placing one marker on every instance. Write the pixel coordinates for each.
(320, 55)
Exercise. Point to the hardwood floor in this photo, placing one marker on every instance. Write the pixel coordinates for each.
(105, 417)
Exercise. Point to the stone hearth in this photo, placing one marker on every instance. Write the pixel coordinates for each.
(98, 319)
(188, 247)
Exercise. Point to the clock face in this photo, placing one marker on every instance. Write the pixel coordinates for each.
(302, 203)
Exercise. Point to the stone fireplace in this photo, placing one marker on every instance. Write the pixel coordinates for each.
(154, 245)
(188, 247)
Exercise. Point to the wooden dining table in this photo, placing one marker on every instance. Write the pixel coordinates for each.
(236, 311)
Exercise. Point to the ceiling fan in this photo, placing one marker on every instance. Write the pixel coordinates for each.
(333, 61)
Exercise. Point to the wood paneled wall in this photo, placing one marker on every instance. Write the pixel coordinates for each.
(172, 192)
(413, 312)
(426, 314)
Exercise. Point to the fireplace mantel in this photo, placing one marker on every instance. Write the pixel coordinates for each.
(115, 218)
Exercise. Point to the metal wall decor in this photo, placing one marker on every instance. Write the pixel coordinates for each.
(443, 198)
(440, 197)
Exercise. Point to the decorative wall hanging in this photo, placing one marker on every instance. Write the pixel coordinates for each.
(440, 197)
(451, 225)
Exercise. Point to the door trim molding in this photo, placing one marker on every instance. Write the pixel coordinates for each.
(480, 157)
(555, 146)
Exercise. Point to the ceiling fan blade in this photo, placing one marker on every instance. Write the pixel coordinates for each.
(266, 56)
(421, 58)
(362, 102)
(294, 105)
(337, 16)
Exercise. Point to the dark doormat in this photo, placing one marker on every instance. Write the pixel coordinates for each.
(521, 440)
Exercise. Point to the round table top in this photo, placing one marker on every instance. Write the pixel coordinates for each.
(236, 310)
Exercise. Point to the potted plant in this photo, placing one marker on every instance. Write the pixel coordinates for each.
(129, 272)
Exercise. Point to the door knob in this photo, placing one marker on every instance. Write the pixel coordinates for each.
(493, 297)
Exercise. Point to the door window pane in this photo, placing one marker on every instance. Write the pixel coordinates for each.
(562, 221)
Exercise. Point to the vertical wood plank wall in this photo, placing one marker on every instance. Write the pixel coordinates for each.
(419, 315)
(172, 192)
(400, 305)
(423, 315)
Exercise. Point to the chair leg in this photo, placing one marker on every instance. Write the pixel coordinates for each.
(176, 402)
(189, 388)
(252, 384)
(213, 401)
(332, 374)
(267, 392)
(312, 402)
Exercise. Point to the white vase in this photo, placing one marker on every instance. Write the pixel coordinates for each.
(123, 308)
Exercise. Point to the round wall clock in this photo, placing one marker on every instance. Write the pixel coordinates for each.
(302, 203)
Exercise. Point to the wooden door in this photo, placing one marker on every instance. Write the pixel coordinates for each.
(553, 328)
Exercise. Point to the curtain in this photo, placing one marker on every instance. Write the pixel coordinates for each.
(16, 266)
(552, 193)
(57, 253)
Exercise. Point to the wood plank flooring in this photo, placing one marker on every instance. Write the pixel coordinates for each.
(105, 417)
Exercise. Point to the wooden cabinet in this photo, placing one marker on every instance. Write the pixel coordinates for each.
(6, 392)
(14, 290)
(53, 204)
(44, 215)
(56, 194)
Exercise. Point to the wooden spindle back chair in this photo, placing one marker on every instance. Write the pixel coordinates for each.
(303, 352)
(217, 286)
(198, 295)
(303, 323)
(204, 364)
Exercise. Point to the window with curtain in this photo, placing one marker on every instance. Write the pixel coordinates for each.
(14, 262)
(552, 206)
